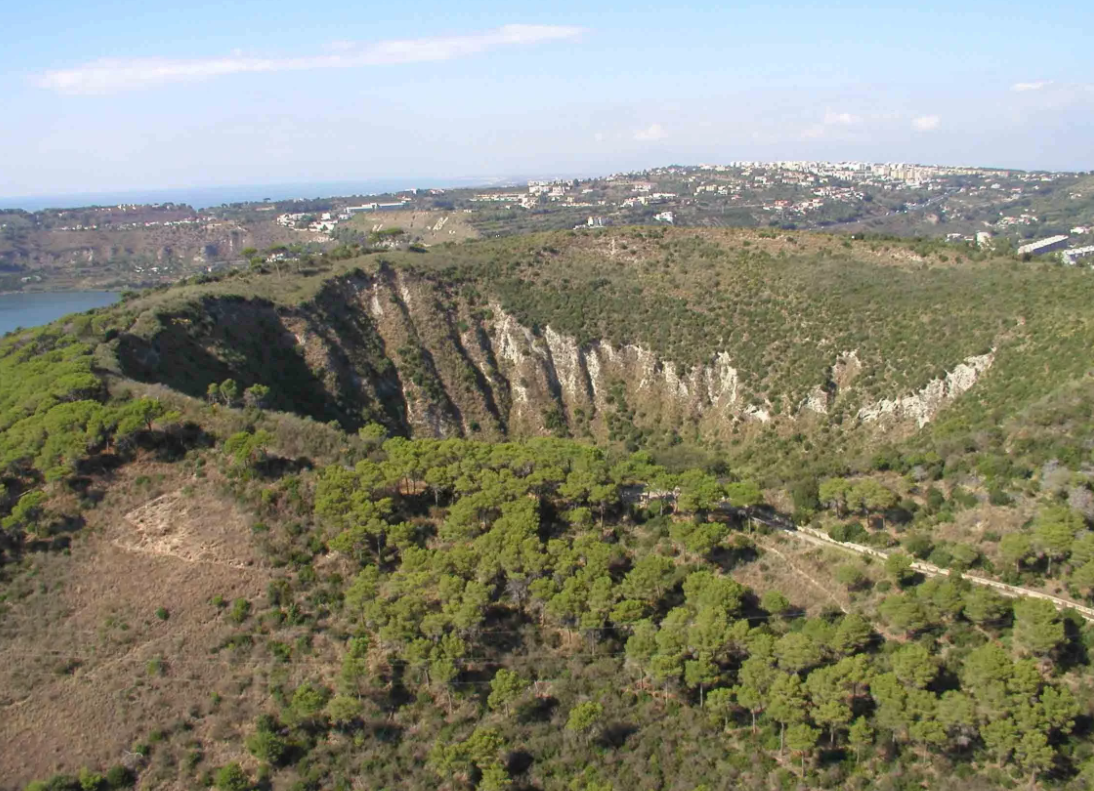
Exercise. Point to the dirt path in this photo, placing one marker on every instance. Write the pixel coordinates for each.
(1013, 591)
(808, 578)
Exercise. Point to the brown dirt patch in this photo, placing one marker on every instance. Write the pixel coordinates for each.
(801, 572)
(196, 530)
(428, 227)
(88, 669)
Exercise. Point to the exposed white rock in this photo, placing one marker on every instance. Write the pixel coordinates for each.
(677, 386)
(816, 401)
(375, 307)
(646, 361)
(753, 412)
(715, 384)
(592, 365)
(721, 380)
(925, 404)
(566, 358)
(846, 368)
(512, 344)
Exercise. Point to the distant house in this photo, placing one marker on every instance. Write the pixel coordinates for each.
(375, 207)
(1073, 255)
(1042, 246)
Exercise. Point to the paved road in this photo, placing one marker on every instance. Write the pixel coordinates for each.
(1014, 591)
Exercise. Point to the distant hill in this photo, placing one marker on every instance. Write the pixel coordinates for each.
(138, 246)
(648, 336)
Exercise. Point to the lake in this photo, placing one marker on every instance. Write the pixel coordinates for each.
(33, 310)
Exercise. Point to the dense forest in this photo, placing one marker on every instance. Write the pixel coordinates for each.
(258, 534)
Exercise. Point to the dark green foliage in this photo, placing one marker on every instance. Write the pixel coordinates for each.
(232, 777)
(120, 777)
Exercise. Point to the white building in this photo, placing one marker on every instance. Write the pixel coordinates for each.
(1073, 255)
(1042, 246)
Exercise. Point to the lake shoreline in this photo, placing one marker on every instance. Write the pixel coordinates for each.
(24, 310)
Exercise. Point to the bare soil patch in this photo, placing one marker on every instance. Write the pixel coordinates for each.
(193, 529)
(89, 662)
(800, 572)
(428, 227)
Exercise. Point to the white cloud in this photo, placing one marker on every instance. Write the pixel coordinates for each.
(599, 137)
(651, 133)
(926, 123)
(825, 127)
(1031, 86)
(832, 118)
(115, 74)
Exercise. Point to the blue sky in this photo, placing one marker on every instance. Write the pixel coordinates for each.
(120, 94)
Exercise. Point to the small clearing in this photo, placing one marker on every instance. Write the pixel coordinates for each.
(427, 227)
(197, 530)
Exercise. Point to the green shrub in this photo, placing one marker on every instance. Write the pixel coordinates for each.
(119, 776)
(232, 778)
(241, 610)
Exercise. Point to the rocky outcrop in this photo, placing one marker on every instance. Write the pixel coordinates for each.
(846, 369)
(409, 352)
(554, 367)
(816, 402)
(923, 405)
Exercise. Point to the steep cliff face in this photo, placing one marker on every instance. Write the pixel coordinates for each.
(423, 359)
(590, 382)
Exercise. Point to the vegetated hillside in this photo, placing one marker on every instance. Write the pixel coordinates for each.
(199, 588)
(423, 227)
(1045, 210)
(646, 337)
(37, 257)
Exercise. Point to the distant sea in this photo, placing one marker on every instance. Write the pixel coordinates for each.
(36, 309)
(204, 197)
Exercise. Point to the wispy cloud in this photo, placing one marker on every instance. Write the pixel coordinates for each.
(926, 123)
(651, 133)
(832, 118)
(832, 122)
(113, 75)
(1030, 86)
(1052, 95)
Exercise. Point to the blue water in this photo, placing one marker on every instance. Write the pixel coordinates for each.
(33, 310)
(203, 197)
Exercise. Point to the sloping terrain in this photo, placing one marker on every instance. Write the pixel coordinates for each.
(306, 528)
(423, 226)
(637, 336)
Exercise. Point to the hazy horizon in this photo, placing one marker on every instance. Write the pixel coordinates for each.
(207, 195)
(203, 196)
(124, 97)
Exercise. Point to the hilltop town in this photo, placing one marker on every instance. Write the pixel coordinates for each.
(1025, 213)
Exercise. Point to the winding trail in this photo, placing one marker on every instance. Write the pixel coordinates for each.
(808, 578)
(812, 536)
